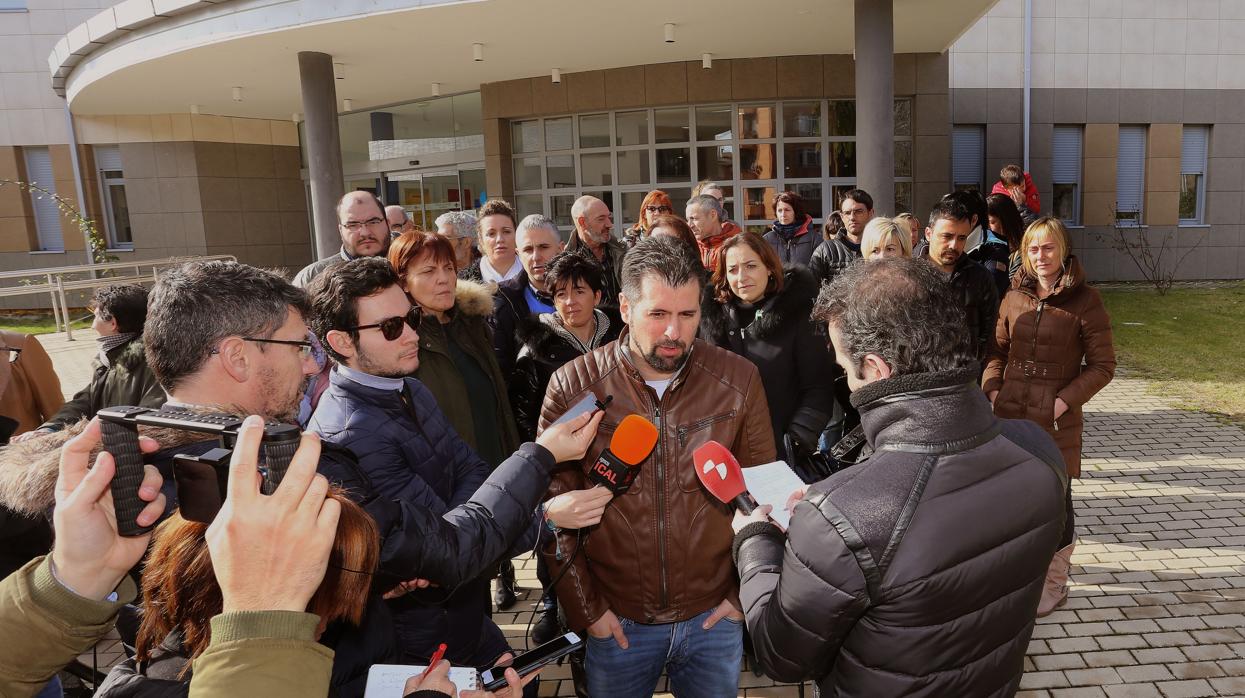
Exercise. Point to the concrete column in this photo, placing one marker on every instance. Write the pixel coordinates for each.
(324, 153)
(875, 97)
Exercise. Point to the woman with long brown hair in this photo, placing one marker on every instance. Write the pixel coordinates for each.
(1050, 321)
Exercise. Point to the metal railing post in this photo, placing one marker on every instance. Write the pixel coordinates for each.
(56, 316)
(60, 289)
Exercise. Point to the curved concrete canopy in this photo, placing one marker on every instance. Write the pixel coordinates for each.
(132, 58)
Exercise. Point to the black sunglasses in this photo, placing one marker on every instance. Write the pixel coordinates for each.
(391, 327)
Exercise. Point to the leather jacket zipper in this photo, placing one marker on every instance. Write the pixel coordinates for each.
(697, 426)
(661, 496)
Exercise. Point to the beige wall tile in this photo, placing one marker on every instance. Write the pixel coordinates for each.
(709, 85)
(514, 98)
(284, 133)
(754, 78)
(1162, 174)
(134, 128)
(665, 83)
(624, 87)
(1098, 175)
(1164, 140)
(489, 94)
(255, 131)
(96, 128)
(183, 128)
(161, 128)
(9, 159)
(1162, 208)
(15, 234)
(499, 176)
(211, 128)
(1098, 208)
(547, 97)
(799, 76)
(585, 91)
(1101, 140)
(496, 136)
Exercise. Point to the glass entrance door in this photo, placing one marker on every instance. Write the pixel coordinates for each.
(426, 195)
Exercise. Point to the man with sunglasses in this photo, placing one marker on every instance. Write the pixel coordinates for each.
(365, 231)
(407, 448)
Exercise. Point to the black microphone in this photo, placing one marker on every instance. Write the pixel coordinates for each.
(617, 466)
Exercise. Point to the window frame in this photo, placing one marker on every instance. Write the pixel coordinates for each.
(978, 130)
(1137, 218)
(1200, 204)
(1077, 162)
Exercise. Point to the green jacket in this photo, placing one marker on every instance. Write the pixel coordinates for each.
(127, 381)
(473, 304)
(44, 626)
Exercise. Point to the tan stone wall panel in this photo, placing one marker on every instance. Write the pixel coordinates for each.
(496, 136)
(754, 78)
(1164, 140)
(665, 83)
(709, 85)
(14, 234)
(547, 97)
(1162, 174)
(585, 91)
(1098, 208)
(839, 75)
(1102, 140)
(799, 76)
(514, 98)
(932, 73)
(1161, 208)
(624, 87)
(905, 73)
(931, 114)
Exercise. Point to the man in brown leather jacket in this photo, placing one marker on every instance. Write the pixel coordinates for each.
(653, 583)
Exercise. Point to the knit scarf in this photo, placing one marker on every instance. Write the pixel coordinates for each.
(112, 341)
(789, 230)
(554, 323)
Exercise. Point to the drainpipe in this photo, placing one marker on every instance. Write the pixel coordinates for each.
(79, 191)
(1028, 75)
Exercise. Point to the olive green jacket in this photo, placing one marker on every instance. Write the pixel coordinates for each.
(127, 381)
(44, 626)
(473, 304)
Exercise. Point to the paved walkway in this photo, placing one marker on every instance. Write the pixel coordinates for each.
(1157, 607)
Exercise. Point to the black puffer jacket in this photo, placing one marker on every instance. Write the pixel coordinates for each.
(831, 257)
(917, 572)
(975, 284)
(543, 352)
(782, 342)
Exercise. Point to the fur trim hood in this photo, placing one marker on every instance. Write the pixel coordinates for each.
(473, 298)
(793, 302)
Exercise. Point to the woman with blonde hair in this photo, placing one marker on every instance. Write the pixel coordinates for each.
(912, 224)
(1050, 321)
(884, 238)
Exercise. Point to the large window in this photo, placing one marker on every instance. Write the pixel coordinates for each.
(47, 214)
(1193, 174)
(754, 150)
(968, 157)
(1130, 175)
(1065, 172)
(112, 194)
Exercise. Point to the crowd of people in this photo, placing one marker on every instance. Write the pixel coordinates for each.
(924, 379)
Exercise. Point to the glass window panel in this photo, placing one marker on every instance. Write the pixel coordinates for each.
(841, 118)
(526, 173)
(810, 192)
(670, 125)
(632, 127)
(1189, 184)
(527, 204)
(560, 209)
(594, 131)
(594, 168)
(525, 136)
(758, 228)
(713, 123)
(558, 134)
(674, 165)
(903, 197)
(605, 195)
(903, 158)
(716, 162)
(678, 199)
(802, 160)
(633, 167)
(801, 119)
(122, 235)
(1065, 202)
(630, 211)
(843, 159)
(560, 171)
(836, 193)
(903, 117)
(759, 203)
(758, 161)
(474, 187)
(757, 122)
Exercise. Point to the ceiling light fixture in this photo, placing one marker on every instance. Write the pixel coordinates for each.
(477, 52)
(436, 89)
(296, 117)
(557, 76)
(194, 109)
(237, 94)
(339, 71)
(669, 32)
(706, 61)
(348, 104)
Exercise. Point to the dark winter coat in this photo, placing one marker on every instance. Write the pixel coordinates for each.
(994, 255)
(798, 249)
(128, 380)
(612, 279)
(510, 313)
(473, 305)
(793, 361)
(917, 572)
(831, 257)
(543, 352)
(472, 272)
(981, 301)
(1036, 355)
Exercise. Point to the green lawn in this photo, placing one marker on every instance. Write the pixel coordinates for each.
(42, 324)
(1189, 343)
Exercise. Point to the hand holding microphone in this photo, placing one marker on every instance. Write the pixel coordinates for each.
(721, 474)
(617, 466)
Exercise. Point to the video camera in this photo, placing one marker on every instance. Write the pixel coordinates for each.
(202, 480)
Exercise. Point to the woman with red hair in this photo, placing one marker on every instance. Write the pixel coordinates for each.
(656, 203)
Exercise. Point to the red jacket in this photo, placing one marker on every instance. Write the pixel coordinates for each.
(1031, 193)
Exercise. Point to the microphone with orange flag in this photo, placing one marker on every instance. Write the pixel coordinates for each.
(720, 473)
(617, 466)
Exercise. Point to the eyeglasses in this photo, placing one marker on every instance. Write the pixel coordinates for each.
(305, 348)
(658, 209)
(356, 226)
(14, 352)
(391, 327)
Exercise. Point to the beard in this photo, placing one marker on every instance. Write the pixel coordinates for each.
(371, 365)
(282, 397)
(664, 364)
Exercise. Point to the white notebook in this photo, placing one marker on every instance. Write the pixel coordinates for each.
(389, 680)
(772, 484)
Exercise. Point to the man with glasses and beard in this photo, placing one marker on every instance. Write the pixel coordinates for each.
(652, 584)
(408, 450)
(364, 226)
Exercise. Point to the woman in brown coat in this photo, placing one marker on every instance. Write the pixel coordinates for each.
(1048, 322)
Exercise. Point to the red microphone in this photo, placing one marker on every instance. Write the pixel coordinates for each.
(617, 466)
(720, 473)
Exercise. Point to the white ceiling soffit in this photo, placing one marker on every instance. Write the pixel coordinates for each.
(160, 56)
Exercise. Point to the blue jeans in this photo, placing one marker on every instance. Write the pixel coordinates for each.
(700, 663)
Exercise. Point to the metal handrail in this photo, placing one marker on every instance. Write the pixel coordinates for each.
(56, 284)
